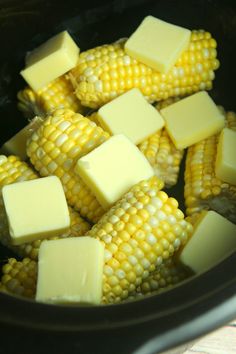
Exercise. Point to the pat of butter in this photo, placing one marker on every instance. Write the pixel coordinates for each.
(225, 167)
(130, 114)
(35, 209)
(113, 168)
(17, 144)
(157, 43)
(214, 238)
(192, 119)
(70, 270)
(50, 60)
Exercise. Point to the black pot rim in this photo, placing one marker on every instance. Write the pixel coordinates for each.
(196, 297)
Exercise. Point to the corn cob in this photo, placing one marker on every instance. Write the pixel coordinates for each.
(57, 94)
(141, 230)
(107, 71)
(13, 170)
(203, 190)
(19, 277)
(56, 146)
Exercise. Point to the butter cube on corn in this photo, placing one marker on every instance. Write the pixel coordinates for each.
(157, 43)
(70, 271)
(113, 168)
(50, 60)
(192, 119)
(225, 167)
(130, 114)
(16, 145)
(213, 238)
(35, 209)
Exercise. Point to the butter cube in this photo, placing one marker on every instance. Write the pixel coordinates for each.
(113, 168)
(214, 238)
(157, 43)
(17, 144)
(225, 168)
(50, 60)
(35, 209)
(70, 270)
(130, 114)
(192, 119)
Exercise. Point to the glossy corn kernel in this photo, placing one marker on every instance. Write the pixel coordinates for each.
(56, 146)
(203, 190)
(141, 230)
(105, 72)
(57, 94)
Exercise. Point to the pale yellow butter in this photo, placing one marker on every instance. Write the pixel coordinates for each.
(113, 168)
(157, 43)
(70, 271)
(214, 238)
(35, 209)
(50, 60)
(192, 119)
(225, 168)
(17, 144)
(130, 114)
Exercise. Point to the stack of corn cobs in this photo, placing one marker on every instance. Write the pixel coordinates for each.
(144, 231)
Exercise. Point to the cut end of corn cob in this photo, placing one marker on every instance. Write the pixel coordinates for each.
(56, 146)
(106, 72)
(203, 190)
(57, 94)
(141, 230)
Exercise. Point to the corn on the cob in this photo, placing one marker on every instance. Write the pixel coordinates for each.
(19, 277)
(56, 146)
(203, 190)
(143, 228)
(139, 232)
(57, 94)
(107, 71)
(13, 170)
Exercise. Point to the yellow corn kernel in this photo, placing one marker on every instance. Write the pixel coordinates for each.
(19, 277)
